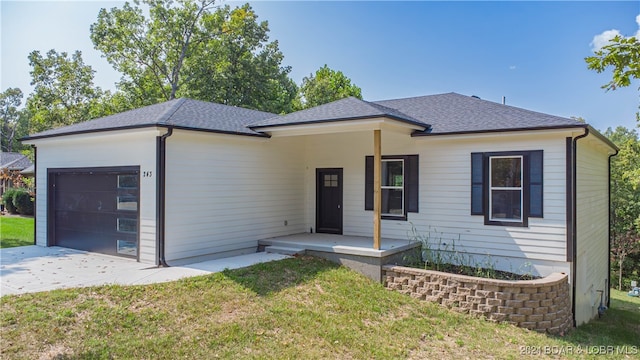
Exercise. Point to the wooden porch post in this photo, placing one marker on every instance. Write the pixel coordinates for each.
(377, 193)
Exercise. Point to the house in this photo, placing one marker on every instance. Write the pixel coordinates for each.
(187, 179)
(11, 166)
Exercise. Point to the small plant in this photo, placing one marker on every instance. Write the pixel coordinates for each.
(7, 200)
(443, 252)
(23, 202)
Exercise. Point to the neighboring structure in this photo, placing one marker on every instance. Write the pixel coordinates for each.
(11, 165)
(188, 179)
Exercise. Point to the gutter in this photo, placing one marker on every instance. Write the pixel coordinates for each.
(161, 169)
(574, 219)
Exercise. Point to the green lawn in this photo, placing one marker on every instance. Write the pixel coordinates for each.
(300, 308)
(16, 231)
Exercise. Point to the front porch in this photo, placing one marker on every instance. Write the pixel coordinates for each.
(355, 252)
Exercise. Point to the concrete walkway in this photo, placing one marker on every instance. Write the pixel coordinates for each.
(33, 268)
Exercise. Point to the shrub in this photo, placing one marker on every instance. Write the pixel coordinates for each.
(22, 202)
(7, 200)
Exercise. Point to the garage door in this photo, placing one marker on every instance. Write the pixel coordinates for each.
(95, 210)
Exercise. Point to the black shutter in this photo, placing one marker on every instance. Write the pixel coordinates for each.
(368, 183)
(411, 187)
(535, 183)
(477, 183)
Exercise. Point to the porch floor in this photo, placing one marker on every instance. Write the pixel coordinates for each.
(341, 244)
(355, 252)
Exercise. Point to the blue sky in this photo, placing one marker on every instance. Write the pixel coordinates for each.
(530, 52)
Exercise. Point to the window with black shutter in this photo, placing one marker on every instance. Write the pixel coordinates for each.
(400, 186)
(507, 187)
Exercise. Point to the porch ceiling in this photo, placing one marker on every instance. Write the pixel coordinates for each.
(341, 126)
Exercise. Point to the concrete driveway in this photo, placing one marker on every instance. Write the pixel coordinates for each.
(33, 268)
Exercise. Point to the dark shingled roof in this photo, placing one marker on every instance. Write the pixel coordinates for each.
(455, 113)
(14, 161)
(349, 108)
(438, 114)
(180, 113)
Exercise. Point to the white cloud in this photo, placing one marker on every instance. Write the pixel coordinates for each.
(603, 38)
(512, 67)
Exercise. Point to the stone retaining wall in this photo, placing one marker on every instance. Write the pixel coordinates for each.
(543, 305)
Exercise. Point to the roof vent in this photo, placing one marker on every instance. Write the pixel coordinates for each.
(476, 96)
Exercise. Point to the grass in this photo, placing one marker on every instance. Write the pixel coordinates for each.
(295, 308)
(16, 231)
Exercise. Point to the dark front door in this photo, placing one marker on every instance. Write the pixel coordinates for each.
(329, 201)
(95, 210)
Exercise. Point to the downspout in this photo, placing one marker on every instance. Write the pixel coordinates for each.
(574, 217)
(161, 163)
(609, 234)
(35, 191)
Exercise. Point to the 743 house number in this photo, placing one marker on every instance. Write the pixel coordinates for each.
(147, 174)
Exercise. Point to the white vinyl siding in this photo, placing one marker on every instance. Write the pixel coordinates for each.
(226, 192)
(592, 228)
(106, 149)
(445, 176)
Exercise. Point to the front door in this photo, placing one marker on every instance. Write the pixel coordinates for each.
(329, 201)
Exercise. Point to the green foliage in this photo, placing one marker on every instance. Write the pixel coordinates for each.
(191, 49)
(625, 202)
(13, 122)
(623, 55)
(7, 200)
(64, 93)
(325, 86)
(23, 202)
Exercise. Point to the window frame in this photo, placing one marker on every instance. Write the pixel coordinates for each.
(411, 184)
(492, 188)
(403, 213)
(532, 176)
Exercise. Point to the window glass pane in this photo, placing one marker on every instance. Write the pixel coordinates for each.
(506, 172)
(506, 204)
(392, 202)
(127, 248)
(330, 180)
(127, 225)
(127, 181)
(392, 173)
(127, 202)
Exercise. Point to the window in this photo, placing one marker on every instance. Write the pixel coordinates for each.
(392, 187)
(399, 185)
(506, 187)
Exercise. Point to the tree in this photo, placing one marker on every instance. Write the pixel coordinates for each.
(240, 67)
(623, 54)
(625, 200)
(325, 86)
(189, 49)
(12, 120)
(64, 92)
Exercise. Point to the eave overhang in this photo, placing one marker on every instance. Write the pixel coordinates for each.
(340, 126)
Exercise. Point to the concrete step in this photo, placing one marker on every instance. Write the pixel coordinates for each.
(284, 250)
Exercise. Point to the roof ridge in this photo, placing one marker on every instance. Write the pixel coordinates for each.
(418, 97)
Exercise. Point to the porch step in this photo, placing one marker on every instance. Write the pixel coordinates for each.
(284, 250)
